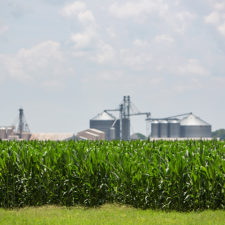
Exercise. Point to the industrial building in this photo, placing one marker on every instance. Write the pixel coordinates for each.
(107, 126)
(19, 131)
(116, 128)
(181, 126)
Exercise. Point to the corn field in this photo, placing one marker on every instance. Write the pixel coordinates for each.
(180, 175)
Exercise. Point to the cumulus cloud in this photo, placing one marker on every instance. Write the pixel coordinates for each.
(141, 43)
(106, 53)
(175, 17)
(217, 17)
(138, 8)
(193, 68)
(83, 39)
(80, 11)
(41, 63)
(73, 9)
(88, 43)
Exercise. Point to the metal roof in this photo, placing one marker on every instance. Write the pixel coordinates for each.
(52, 136)
(192, 120)
(104, 116)
(91, 134)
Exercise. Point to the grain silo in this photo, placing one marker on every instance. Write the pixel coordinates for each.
(194, 127)
(125, 129)
(174, 128)
(105, 121)
(163, 128)
(155, 129)
(2, 133)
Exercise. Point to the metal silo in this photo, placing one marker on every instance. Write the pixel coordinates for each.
(155, 129)
(194, 127)
(10, 131)
(125, 129)
(105, 121)
(174, 128)
(2, 133)
(163, 128)
(112, 133)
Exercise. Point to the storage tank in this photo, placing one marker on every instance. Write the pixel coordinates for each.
(112, 133)
(163, 128)
(125, 129)
(155, 129)
(10, 131)
(174, 128)
(194, 127)
(2, 133)
(104, 121)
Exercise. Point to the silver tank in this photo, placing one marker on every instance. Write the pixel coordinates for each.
(126, 129)
(104, 121)
(163, 128)
(10, 131)
(155, 129)
(112, 133)
(2, 133)
(194, 127)
(174, 128)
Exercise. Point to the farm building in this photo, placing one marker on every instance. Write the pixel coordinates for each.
(53, 136)
(91, 134)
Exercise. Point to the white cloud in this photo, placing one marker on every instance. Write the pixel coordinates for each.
(181, 20)
(111, 32)
(217, 18)
(86, 17)
(79, 10)
(221, 29)
(84, 39)
(138, 8)
(220, 6)
(164, 38)
(193, 67)
(40, 63)
(106, 53)
(73, 9)
(141, 10)
(213, 18)
(140, 43)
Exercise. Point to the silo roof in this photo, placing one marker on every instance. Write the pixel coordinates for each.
(104, 116)
(192, 120)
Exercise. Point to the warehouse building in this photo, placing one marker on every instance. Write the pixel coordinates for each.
(53, 136)
(91, 134)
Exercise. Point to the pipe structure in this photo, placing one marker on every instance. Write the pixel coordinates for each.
(21, 122)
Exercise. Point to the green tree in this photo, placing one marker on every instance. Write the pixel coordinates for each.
(219, 134)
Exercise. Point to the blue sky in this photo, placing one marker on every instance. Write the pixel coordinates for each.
(66, 61)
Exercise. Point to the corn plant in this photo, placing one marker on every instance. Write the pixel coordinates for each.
(179, 175)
